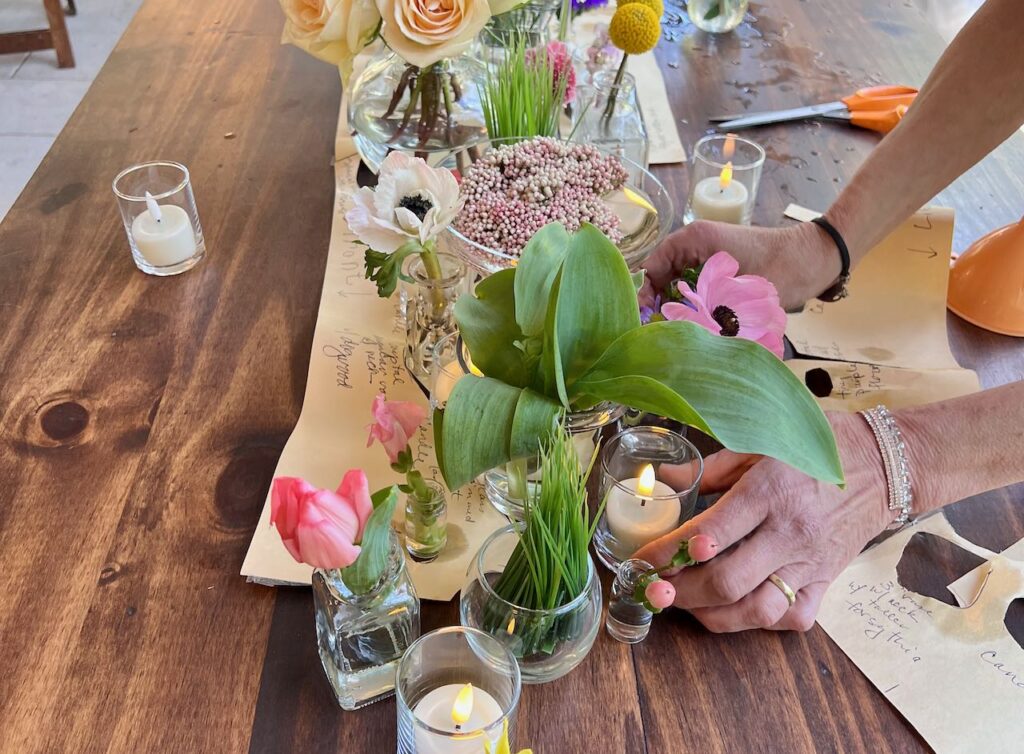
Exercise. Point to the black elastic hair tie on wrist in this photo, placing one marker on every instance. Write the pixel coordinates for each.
(838, 289)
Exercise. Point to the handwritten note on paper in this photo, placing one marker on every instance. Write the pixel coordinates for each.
(895, 314)
(955, 673)
(357, 352)
(849, 386)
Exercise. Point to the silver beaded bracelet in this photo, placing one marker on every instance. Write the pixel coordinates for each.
(894, 459)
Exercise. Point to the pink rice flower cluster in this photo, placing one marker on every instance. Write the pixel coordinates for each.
(515, 190)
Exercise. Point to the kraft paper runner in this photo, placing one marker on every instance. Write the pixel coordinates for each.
(357, 352)
(954, 673)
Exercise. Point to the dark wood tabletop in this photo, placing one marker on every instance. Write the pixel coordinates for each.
(141, 418)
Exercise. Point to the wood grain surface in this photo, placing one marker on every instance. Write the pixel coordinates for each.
(141, 418)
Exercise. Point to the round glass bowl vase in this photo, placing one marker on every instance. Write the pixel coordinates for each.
(642, 204)
(547, 643)
(430, 112)
(361, 637)
(509, 485)
(650, 479)
(716, 16)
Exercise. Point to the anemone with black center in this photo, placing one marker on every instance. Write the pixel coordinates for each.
(418, 204)
(727, 319)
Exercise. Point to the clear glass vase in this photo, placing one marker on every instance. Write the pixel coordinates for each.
(611, 119)
(716, 16)
(628, 620)
(530, 22)
(436, 284)
(509, 485)
(395, 106)
(547, 643)
(361, 637)
(426, 523)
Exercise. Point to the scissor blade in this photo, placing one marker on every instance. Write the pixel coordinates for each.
(780, 116)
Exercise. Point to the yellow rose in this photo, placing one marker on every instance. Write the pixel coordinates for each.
(331, 30)
(423, 32)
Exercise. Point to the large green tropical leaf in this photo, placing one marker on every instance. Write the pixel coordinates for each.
(732, 388)
(488, 326)
(487, 423)
(364, 573)
(538, 266)
(594, 309)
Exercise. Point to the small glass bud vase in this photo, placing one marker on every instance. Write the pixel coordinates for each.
(628, 620)
(361, 637)
(426, 523)
(430, 310)
(716, 16)
(611, 118)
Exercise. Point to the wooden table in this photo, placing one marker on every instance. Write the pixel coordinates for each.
(141, 418)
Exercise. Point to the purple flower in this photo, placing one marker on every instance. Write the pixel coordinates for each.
(648, 313)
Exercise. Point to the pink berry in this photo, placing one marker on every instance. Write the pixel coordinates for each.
(702, 547)
(660, 594)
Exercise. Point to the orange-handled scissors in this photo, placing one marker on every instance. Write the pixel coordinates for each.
(871, 99)
(882, 121)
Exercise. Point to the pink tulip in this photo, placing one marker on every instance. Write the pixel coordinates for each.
(660, 594)
(320, 527)
(394, 423)
(743, 306)
(702, 547)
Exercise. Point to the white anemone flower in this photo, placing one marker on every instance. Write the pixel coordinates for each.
(412, 202)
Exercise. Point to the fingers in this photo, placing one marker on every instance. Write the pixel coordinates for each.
(801, 616)
(722, 470)
(687, 247)
(734, 574)
(680, 476)
(766, 606)
(733, 517)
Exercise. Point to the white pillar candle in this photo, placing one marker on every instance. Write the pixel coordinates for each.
(442, 707)
(634, 518)
(163, 234)
(720, 198)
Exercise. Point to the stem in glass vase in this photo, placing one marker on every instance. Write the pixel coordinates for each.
(609, 109)
(432, 266)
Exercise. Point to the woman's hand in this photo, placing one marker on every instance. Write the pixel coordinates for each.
(775, 519)
(800, 260)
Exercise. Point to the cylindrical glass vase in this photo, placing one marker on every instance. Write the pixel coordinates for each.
(428, 112)
(725, 173)
(650, 479)
(434, 672)
(716, 16)
(508, 486)
(547, 643)
(361, 637)
(426, 523)
(628, 620)
(529, 22)
(437, 283)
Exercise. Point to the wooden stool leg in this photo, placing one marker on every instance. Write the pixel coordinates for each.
(61, 40)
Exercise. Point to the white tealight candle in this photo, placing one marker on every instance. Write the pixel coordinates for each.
(460, 709)
(163, 234)
(447, 376)
(634, 518)
(720, 198)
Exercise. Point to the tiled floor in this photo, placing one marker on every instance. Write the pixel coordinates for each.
(37, 97)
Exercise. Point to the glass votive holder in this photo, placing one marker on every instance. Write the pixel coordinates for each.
(650, 479)
(450, 363)
(160, 217)
(725, 171)
(436, 713)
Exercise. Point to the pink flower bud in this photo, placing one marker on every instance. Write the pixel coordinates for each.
(702, 547)
(660, 594)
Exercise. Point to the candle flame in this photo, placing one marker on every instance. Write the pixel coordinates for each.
(726, 177)
(511, 626)
(646, 484)
(729, 147)
(463, 706)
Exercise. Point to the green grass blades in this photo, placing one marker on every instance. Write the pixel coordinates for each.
(520, 96)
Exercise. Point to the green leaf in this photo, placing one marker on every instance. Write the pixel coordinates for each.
(487, 423)
(539, 264)
(732, 388)
(488, 325)
(597, 307)
(365, 572)
(384, 269)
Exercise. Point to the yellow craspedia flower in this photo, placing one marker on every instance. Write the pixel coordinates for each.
(634, 28)
(656, 5)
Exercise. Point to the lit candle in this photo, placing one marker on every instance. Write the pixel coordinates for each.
(720, 198)
(459, 709)
(163, 234)
(635, 517)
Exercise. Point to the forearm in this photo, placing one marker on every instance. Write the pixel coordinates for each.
(964, 446)
(972, 101)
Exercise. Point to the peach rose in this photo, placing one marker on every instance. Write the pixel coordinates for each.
(331, 30)
(423, 32)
